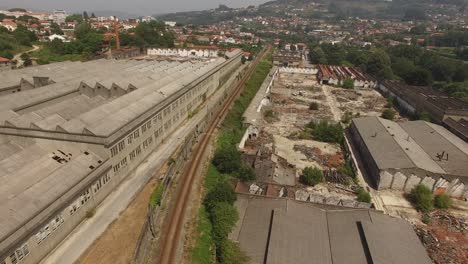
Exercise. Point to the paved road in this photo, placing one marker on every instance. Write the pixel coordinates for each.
(17, 57)
(87, 232)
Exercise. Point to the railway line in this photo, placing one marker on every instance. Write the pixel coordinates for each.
(170, 237)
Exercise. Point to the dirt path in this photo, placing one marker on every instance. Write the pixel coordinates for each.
(333, 103)
(17, 57)
(117, 244)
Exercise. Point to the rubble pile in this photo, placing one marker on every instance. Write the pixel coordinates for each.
(315, 154)
(445, 239)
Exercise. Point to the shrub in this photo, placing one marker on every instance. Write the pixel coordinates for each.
(363, 196)
(156, 196)
(227, 159)
(424, 116)
(314, 106)
(388, 114)
(222, 192)
(421, 196)
(426, 219)
(311, 176)
(327, 132)
(230, 253)
(348, 83)
(223, 217)
(245, 173)
(442, 201)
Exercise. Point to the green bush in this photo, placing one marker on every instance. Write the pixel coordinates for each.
(245, 173)
(426, 219)
(388, 114)
(326, 132)
(156, 196)
(442, 201)
(311, 176)
(314, 106)
(223, 217)
(230, 253)
(363, 196)
(222, 192)
(227, 159)
(348, 83)
(424, 116)
(421, 196)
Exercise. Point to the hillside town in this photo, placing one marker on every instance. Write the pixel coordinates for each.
(285, 132)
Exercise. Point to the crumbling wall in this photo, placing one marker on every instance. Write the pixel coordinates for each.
(401, 182)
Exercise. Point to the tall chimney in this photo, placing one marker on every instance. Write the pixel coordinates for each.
(117, 37)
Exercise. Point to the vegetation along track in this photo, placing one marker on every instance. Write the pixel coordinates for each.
(171, 236)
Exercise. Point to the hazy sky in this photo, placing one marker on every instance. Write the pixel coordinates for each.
(128, 6)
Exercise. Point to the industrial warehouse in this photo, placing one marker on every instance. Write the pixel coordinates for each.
(71, 132)
(277, 230)
(402, 155)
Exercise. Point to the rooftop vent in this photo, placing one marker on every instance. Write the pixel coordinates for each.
(86, 153)
(91, 167)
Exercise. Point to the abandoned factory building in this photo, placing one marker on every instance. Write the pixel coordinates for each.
(279, 230)
(71, 132)
(401, 155)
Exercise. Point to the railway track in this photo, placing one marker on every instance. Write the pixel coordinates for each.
(171, 236)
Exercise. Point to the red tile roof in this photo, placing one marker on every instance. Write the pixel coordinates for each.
(4, 59)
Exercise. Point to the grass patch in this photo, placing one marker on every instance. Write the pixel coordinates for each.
(156, 196)
(203, 252)
(45, 55)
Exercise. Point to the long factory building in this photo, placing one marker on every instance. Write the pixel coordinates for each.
(71, 132)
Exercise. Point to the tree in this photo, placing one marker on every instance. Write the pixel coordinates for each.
(318, 56)
(85, 16)
(419, 76)
(348, 83)
(230, 253)
(388, 114)
(227, 159)
(421, 196)
(363, 196)
(379, 64)
(93, 15)
(311, 176)
(245, 173)
(24, 36)
(75, 17)
(55, 29)
(223, 218)
(243, 60)
(222, 192)
(442, 201)
(82, 30)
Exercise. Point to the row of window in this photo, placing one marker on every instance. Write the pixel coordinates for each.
(47, 229)
(17, 255)
(101, 182)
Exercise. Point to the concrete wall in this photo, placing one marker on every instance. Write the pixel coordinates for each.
(407, 181)
(200, 53)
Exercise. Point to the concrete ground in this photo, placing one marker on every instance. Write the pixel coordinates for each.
(117, 244)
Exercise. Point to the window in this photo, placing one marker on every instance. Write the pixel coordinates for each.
(138, 150)
(116, 168)
(85, 196)
(114, 151)
(130, 139)
(121, 145)
(13, 258)
(132, 155)
(123, 163)
(136, 134)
